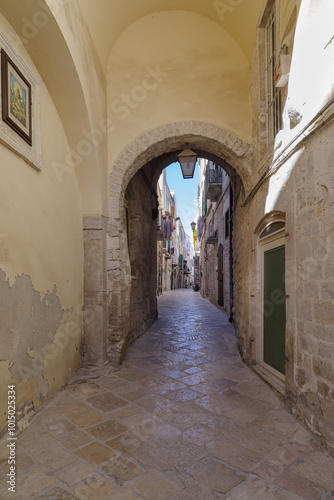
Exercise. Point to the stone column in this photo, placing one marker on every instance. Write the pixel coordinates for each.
(95, 289)
(119, 288)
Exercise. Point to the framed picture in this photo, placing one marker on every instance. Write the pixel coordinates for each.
(16, 98)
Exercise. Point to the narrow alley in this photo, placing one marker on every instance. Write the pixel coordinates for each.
(181, 418)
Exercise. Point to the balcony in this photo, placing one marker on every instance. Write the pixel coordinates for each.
(213, 183)
(211, 235)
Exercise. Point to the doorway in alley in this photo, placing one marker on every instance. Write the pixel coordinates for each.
(221, 275)
(272, 335)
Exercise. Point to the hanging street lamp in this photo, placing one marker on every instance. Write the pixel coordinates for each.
(187, 160)
(193, 227)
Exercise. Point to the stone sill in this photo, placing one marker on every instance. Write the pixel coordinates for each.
(270, 378)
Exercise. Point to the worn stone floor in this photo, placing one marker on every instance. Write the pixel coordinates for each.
(182, 419)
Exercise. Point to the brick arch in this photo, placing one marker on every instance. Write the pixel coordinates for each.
(163, 144)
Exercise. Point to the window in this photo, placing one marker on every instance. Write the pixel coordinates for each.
(273, 94)
(272, 228)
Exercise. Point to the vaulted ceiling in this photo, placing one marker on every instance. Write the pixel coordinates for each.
(107, 19)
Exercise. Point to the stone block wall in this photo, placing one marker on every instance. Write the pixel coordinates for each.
(142, 234)
(301, 188)
(95, 289)
(304, 192)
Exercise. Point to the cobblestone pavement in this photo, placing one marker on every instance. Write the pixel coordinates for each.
(183, 418)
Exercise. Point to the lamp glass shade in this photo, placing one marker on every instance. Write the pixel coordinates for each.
(193, 225)
(187, 160)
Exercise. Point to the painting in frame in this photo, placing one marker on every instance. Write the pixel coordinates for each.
(16, 98)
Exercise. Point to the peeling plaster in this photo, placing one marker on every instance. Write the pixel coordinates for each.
(43, 388)
(28, 325)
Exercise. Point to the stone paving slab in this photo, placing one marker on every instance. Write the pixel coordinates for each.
(182, 419)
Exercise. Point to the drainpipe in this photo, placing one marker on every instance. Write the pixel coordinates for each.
(162, 266)
(231, 255)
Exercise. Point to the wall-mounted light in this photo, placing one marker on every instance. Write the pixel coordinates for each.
(187, 160)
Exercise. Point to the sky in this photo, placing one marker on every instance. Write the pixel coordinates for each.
(186, 195)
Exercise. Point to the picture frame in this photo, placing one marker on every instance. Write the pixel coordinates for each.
(16, 98)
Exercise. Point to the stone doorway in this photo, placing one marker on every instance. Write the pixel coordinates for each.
(137, 171)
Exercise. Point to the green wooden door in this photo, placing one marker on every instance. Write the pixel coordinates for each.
(274, 309)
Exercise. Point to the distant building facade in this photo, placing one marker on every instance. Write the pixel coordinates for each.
(174, 247)
(213, 234)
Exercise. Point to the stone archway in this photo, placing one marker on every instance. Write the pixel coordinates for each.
(163, 143)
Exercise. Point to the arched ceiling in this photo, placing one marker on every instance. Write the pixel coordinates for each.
(200, 78)
(107, 19)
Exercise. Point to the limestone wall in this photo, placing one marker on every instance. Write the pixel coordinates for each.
(307, 200)
(141, 234)
(298, 186)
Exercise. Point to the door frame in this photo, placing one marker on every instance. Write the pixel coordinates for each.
(273, 376)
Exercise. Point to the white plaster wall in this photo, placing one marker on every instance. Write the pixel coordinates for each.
(41, 241)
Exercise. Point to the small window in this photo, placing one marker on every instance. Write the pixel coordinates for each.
(272, 228)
